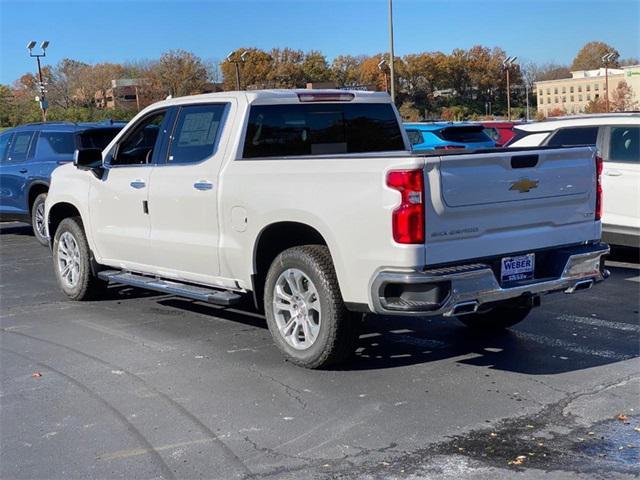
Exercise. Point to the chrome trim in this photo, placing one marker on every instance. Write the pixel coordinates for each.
(479, 284)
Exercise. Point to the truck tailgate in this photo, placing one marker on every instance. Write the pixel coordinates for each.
(486, 204)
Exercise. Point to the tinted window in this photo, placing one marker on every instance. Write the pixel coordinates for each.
(138, 146)
(98, 137)
(471, 134)
(492, 133)
(317, 129)
(54, 144)
(624, 145)
(415, 137)
(574, 136)
(4, 143)
(196, 133)
(19, 148)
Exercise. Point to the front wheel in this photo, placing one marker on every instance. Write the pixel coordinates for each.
(498, 318)
(304, 308)
(37, 219)
(72, 262)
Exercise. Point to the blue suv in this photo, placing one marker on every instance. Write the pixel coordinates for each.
(447, 136)
(28, 155)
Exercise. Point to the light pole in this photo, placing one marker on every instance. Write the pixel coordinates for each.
(391, 69)
(381, 65)
(41, 98)
(508, 62)
(243, 57)
(526, 94)
(606, 59)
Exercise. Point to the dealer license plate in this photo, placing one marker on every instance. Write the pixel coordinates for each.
(518, 268)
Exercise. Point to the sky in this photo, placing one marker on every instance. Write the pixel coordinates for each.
(128, 30)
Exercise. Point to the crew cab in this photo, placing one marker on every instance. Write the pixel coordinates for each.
(311, 203)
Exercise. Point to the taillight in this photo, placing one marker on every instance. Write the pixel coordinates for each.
(598, 214)
(408, 217)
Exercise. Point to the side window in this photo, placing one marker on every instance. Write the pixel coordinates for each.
(493, 133)
(196, 133)
(56, 144)
(568, 137)
(415, 137)
(138, 146)
(4, 144)
(624, 144)
(19, 148)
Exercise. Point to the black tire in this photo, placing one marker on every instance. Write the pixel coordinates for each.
(338, 330)
(37, 219)
(498, 318)
(87, 286)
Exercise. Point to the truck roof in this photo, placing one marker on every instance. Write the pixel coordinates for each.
(278, 96)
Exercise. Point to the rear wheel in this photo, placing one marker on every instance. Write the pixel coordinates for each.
(37, 219)
(498, 318)
(72, 262)
(304, 308)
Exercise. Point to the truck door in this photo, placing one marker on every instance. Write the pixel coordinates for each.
(183, 202)
(118, 201)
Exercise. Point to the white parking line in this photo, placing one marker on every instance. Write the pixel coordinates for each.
(572, 347)
(633, 279)
(599, 322)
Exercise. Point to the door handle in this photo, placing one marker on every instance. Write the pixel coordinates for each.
(613, 173)
(23, 170)
(203, 185)
(138, 184)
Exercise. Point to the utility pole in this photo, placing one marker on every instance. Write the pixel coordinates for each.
(391, 62)
(508, 62)
(381, 67)
(41, 98)
(526, 93)
(606, 59)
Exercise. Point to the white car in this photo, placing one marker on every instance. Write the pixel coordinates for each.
(312, 203)
(617, 137)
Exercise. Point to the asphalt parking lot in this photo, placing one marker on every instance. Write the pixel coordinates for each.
(142, 385)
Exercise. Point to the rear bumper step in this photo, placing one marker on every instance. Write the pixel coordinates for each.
(210, 295)
(464, 289)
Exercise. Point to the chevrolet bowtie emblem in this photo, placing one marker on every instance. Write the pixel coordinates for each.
(524, 185)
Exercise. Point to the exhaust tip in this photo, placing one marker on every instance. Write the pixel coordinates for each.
(582, 285)
(465, 308)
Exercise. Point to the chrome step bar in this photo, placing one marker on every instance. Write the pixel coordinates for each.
(195, 292)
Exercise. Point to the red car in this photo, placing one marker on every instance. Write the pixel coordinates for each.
(500, 132)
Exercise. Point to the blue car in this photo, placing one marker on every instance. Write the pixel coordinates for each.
(28, 155)
(447, 136)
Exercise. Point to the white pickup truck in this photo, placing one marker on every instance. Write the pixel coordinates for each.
(312, 203)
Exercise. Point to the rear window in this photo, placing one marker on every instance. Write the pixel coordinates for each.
(321, 129)
(568, 137)
(471, 134)
(98, 137)
(55, 144)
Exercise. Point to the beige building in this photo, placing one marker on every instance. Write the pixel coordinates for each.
(572, 95)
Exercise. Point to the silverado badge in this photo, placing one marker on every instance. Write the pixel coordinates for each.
(524, 185)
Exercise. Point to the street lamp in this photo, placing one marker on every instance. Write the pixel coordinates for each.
(243, 57)
(507, 64)
(41, 99)
(381, 67)
(606, 59)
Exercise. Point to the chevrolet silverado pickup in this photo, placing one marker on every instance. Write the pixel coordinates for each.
(312, 204)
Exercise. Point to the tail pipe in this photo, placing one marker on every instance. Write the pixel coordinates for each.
(582, 285)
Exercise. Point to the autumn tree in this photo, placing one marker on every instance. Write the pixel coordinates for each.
(552, 71)
(345, 70)
(286, 70)
(254, 70)
(315, 67)
(622, 98)
(177, 73)
(597, 105)
(590, 56)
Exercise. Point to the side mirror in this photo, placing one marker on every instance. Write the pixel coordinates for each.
(88, 159)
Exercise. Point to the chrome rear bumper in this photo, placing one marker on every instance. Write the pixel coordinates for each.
(465, 289)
